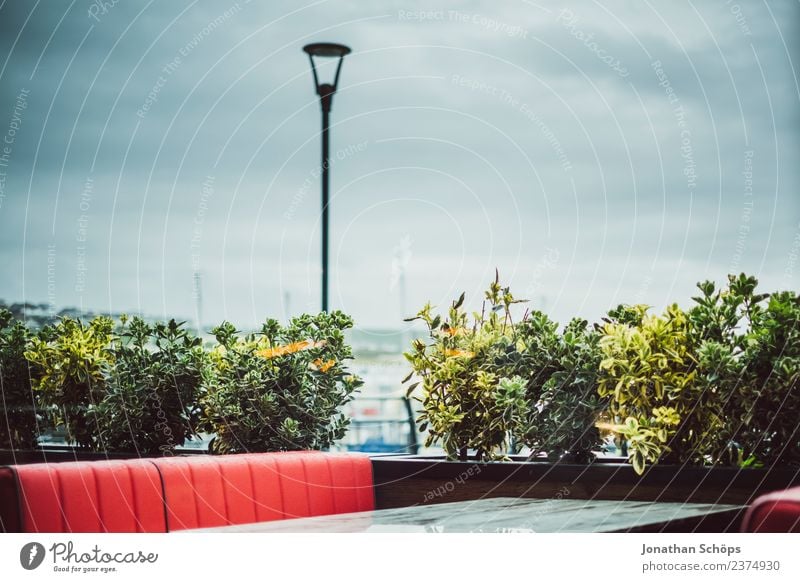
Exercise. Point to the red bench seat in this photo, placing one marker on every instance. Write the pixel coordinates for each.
(777, 512)
(168, 494)
(237, 489)
(113, 496)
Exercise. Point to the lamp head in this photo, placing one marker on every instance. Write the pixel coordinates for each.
(326, 49)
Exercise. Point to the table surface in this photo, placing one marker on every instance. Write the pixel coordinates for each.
(497, 515)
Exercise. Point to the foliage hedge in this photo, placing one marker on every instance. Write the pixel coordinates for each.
(146, 388)
(714, 384)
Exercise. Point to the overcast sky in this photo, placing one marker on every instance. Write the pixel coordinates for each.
(604, 153)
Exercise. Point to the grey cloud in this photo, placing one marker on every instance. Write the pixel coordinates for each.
(631, 198)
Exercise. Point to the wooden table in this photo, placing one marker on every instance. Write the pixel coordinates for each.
(506, 514)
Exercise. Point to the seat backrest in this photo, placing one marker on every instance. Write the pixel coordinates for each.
(212, 491)
(101, 496)
(777, 512)
(174, 493)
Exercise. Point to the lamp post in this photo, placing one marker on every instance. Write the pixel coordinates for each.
(325, 92)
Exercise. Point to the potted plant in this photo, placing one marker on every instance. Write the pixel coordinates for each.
(749, 354)
(716, 385)
(143, 389)
(73, 357)
(492, 386)
(769, 404)
(152, 388)
(472, 400)
(18, 419)
(648, 374)
(118, 393)
(279, 389)
(683, 388)
(562, 402)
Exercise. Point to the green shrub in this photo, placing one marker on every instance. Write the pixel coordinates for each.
(280, 389)
(18, 420)
(648, 373)
(151, 404)
(562, 402)
(720, 324)
(470, 398)
(749, 360)
(715, 385)
(74, 360)
(771, 409)
(492, 385)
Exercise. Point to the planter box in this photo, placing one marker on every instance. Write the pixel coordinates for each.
(66, 453)
(417, 480)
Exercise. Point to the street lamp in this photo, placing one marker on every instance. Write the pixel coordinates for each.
(325, 92)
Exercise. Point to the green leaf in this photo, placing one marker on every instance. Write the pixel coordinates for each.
(638, 462)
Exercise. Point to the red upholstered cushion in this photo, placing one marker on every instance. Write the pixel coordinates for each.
(113, 496)
(777, 512)
(215, 491)
(353, 487)
(168, 494)
(10, 510)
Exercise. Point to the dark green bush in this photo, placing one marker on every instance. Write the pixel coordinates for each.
(151, 403)
(748, 364)
(18, 419)
(769, 404)
(280, 389)
(561, 372)
(720, 325)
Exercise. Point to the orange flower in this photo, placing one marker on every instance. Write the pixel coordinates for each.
(450, 353)
(452, 331)
(289, 349)
(323, 366)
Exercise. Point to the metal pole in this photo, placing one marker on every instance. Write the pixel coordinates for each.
(325, 92)
(325, 101)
